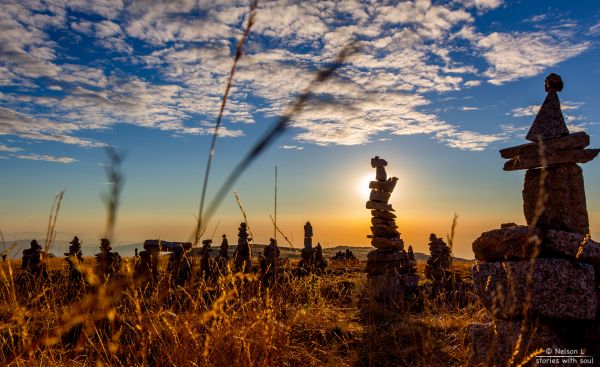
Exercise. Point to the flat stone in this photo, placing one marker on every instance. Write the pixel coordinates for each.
(565, 208)
(383, 214)
(381, 230)
(493, 344)
(380, 174)
(379, 206)
(387, 186)
(506, 243)
(378, 162)
(559, 289)
(380, 196)
(549, 122)
(551, 159)
(573, 141)
(386, 255)
(386, 243)
(387, 222)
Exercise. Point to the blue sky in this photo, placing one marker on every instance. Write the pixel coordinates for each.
(436, 88)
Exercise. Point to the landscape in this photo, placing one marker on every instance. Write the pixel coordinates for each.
(299, 183)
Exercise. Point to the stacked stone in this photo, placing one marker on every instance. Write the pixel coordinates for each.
(108, 263)
(439, 264)
(552, 300)
(74, 259)
(32, 261)
(307, 254)
(385, 264)
(243, 252)
(411, 262)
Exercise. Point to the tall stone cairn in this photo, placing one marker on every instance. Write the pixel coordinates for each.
(541, 280)
(385, 265)
(243, 252)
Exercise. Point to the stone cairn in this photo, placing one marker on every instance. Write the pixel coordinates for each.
(386, 266)
(146, 268)
(32, 261)
(206, 266)
(439, 264)
(270, 261)
(344, 256)
(108, 263)
(243, 252)
(539, 282)
(308, 252)
(411, 263)
(179, 266)
(74, 259)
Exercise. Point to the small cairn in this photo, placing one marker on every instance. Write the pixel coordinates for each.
(439, 264)
(147, 268)
(108, 263)
(539, 282)
(386, 283)
(243, 252)
(179, 266)
(320, 262)
(411, 263)
(74, 259)
(270, 261)
(307, 254)
(344, 256)
(33, 260)
(224, 249)
(206, 266)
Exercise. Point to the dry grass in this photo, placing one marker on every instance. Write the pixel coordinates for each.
(235, 321)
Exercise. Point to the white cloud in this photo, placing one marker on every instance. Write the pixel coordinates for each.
(473, 83)
(47, 158)
(467, 108)
(4, 148)
(524, 54)
(291, 147)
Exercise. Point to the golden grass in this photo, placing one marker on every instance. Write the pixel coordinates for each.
(235, 321)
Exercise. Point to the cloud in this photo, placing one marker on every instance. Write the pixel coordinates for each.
(524, 54)
(4, 148)
(467, 108)
(473, 83)
(291, 147)
(46, 158)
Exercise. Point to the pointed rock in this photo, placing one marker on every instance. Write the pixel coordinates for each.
(549, 122)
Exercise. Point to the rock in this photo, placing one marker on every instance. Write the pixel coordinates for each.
(549, 122)
(380, 196)
(378, 162)
(381, 230)
(508, 225)
(573, 141)
(380, 174)
(551, 159)
(576, 245)
(383, 214)
(493, 344)
(379, 206)
(386, 243)
(387, 186)
(515, 242)
(557, 285)
(387, 222)
(386, 255)
(566, 207)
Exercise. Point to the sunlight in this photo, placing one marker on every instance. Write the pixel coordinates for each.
(363, 185)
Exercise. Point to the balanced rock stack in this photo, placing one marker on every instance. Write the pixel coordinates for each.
(540, 281)
(385, 264)
(439, 264)
(243, 253)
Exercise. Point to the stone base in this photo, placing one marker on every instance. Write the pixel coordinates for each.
(566, 208)
(559, 289)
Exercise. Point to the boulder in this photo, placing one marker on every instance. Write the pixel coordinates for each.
(386, 243)
(383, 214)
(565, 208)
(517, 242)
(556, 286)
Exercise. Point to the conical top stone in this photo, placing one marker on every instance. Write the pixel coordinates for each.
(549, 122)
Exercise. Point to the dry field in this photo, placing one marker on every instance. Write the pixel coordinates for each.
(313, 320)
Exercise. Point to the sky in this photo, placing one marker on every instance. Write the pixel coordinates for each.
(436, 88)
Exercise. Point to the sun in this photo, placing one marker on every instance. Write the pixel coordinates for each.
(363, 185)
